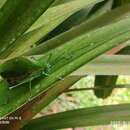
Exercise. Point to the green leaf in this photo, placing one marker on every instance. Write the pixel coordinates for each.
(49, 96)
(113, 34)
(84, 43)
(4, 91)
(2, 2)
(65, 56)
(103, 8)
(102, 115)
(24, 13)
(87, 26)
(46, 23)
(57, 2)
(117, 65)
(72, 21)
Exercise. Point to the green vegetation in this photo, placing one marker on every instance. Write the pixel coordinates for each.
(42, 45)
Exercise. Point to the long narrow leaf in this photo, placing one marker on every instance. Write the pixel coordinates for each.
(68, 52)
(119, 32)
(2, 3)
(43, 100)
(83, 117)
(107, 18)
(46, 23)
(17, 16)
(106, 7)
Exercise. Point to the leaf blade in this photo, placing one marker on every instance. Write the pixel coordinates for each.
(83, 117)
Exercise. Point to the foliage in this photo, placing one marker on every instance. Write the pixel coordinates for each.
(45, 42)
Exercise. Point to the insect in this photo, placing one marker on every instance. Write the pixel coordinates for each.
(32, 75)
(29, 80)
(18, 80)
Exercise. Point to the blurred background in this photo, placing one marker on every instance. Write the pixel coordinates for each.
(81, 99)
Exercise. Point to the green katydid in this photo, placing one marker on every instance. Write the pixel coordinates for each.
(34, 75)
